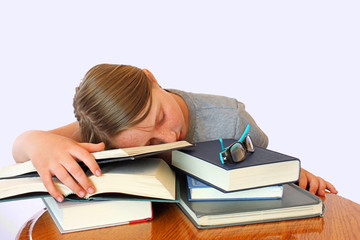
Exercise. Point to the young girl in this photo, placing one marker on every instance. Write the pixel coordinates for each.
(119, 106)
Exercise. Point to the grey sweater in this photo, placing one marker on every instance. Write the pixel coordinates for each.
(212, 117)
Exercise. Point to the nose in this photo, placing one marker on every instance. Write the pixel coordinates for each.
(165, 136)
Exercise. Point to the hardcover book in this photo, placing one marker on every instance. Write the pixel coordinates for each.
(296, 203)
(199, 191)
(79, 216)
(262, 168)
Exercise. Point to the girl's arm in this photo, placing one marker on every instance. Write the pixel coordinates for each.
(19, 152)
(55, 153)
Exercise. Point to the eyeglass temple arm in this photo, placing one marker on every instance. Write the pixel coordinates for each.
(221, 159)
(222, 144)
(245, 133)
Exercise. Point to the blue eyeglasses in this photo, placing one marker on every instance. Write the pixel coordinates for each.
(236, 152)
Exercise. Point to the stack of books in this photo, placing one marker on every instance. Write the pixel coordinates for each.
(259, 189)
(211, 194)
(131, 180)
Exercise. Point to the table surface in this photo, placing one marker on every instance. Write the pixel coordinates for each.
(340, 221)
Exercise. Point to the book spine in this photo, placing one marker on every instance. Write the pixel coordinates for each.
(146, 219)
(140, 220)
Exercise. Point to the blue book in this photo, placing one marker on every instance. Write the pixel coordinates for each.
(262, 168)
(199, 191)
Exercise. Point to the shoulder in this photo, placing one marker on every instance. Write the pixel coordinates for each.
(207, 101)
(211, 116)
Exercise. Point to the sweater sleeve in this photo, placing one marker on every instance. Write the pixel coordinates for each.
(258, 137)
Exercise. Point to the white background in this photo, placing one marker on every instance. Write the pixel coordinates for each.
(294, 64)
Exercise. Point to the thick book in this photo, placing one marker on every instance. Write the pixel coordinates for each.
(261, 168)
(199, 191)
(27, 169)
(79, 216)
(146, 178)
(296, 203)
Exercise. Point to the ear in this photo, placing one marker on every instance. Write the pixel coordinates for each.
(150, 75)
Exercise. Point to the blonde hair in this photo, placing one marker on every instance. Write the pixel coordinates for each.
(110, 99)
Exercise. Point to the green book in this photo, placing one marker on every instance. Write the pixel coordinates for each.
(296, 203)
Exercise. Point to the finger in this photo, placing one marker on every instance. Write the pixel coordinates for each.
(87, 158)
(79, 175)
(303, 181)
(91, 147)
(50, 186)
(331, 188)
(322, 187)
(63, 175)
(314, 183)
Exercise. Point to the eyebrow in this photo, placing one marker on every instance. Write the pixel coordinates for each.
(152, 118)
(157, 114)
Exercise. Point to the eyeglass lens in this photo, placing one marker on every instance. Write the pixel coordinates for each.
(237, 152)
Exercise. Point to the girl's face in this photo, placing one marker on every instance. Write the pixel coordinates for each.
(167, 121)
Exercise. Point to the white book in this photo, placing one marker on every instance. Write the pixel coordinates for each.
(199, 191)
(79, 216)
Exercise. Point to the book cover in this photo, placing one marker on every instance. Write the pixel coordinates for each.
(79, 216)
(199, 191)
(262, 168)
(296, 203)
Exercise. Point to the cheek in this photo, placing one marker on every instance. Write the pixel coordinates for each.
(177, 118)
(119, 142)
(128, 139)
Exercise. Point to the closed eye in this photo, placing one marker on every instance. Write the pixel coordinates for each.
(161, 119)
(155, 141)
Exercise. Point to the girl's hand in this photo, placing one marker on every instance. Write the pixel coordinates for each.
(55, 155)
(314, 184)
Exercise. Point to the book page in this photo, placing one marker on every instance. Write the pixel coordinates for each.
(156, 148)
(19, 169)
(113, 153)
(147, 177)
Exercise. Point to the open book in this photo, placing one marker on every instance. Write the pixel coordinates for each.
(147, 178)
(27, 169)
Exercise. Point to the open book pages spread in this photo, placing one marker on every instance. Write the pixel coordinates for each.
(132, 153)
(147, 177)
